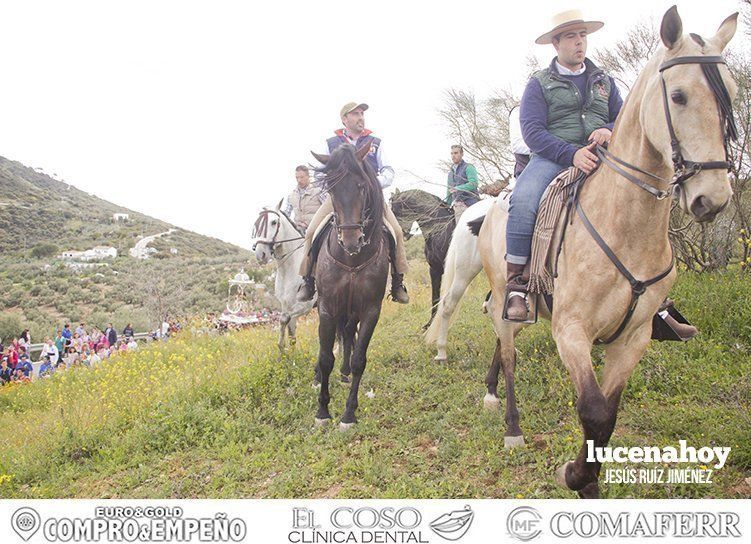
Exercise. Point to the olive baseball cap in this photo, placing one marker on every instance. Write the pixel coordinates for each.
(351, 106)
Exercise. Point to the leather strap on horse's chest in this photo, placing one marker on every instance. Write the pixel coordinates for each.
(638, 288)
(353, 271)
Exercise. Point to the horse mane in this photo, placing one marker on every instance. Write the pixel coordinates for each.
(420, 197)
(295, 225)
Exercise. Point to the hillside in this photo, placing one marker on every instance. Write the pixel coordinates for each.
(37, 209)
(201, 416)
(40, 217)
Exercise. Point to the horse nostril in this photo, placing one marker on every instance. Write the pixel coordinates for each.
(700, 207)
(704, 210)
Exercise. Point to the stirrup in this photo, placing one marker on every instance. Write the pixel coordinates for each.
(531, 308)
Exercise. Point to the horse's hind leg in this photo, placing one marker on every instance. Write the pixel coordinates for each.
(505, 357)
(326, 336)
(348, 330)
(447, 307)
(359, 357)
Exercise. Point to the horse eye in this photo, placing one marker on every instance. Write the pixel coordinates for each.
(678, 97)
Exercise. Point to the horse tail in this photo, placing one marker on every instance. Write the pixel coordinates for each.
(449, 272)
(475, 225)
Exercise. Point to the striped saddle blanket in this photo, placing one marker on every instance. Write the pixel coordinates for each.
(544, 249)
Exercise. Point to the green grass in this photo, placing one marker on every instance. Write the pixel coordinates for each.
(227, 417)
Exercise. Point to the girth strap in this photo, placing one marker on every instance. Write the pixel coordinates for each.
(638, 288)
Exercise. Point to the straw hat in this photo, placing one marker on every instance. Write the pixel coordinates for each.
(565, 20)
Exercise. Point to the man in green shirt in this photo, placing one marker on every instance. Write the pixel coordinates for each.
(462, 182)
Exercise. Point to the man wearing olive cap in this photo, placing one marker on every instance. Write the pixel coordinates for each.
(355, 133)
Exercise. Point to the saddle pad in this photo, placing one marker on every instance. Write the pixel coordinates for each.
(552, 204)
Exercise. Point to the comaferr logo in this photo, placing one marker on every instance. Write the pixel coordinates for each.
(641, 524)
(526, 523)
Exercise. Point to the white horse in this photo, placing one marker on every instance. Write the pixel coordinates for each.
(277, 236)
(462, 265)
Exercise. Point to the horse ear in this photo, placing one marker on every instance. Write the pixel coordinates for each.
(362, 152)
(671, 29)
(726, 31)
(323, 159)
(279, 206)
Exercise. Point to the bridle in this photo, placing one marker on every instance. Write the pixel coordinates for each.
(331, 181)
(683, 170)
(260, 231)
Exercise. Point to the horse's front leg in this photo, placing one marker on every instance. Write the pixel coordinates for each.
(621, 357)
(597, 409)
(326, 337)
(436, 274)
(283, 321)
(364, 334)
(348, 327)
(292, 329)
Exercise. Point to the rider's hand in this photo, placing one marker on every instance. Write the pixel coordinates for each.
(600, 136)
(585, 160)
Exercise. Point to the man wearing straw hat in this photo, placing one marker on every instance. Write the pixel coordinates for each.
(566, 109)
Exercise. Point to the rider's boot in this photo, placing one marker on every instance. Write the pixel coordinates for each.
(684, 330)
(398, 291)
(307, 290)
(516, 293)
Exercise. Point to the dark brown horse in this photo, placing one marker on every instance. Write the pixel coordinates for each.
(436, 221)
(351, 271)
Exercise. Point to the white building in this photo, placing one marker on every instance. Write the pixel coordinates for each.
(95, 254)
(121, 216)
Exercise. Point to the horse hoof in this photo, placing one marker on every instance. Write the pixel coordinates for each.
(316, 384)
(440, 358)
(345, 379)
(560, 475)
(491, 402)
(344, 427)
(323, 422)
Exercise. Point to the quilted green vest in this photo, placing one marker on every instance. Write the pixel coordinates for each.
(573, 118)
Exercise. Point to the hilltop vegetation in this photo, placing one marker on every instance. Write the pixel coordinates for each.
(227, 417)
(38, 210)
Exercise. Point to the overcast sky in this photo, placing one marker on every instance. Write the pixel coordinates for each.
(197, 112)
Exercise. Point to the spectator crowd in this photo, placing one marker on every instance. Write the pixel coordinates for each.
(82, 347)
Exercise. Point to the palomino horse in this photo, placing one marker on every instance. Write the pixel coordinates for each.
(276, 236)
(351, 271)
(670, 137)
(436, 221)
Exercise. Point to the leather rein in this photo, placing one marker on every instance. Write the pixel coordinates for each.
(683, 170)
